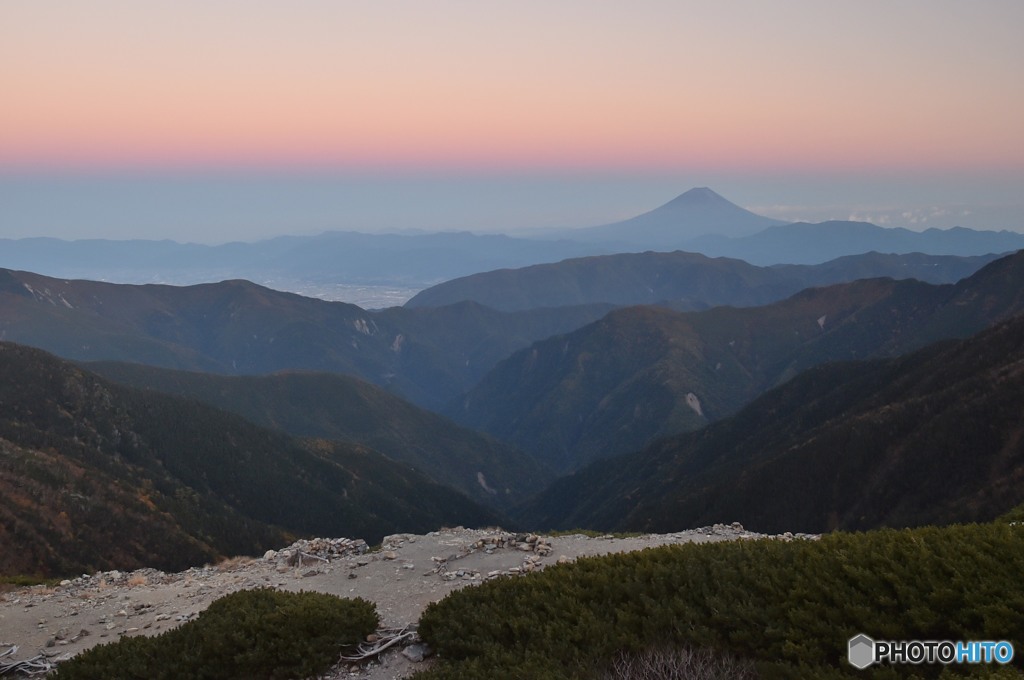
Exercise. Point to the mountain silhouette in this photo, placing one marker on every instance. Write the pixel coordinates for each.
(803, 243)
(697, 212)
(688, 281)
(427, 356)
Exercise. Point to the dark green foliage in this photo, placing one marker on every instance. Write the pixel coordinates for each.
(790, 607)
(20, 580)
(1015, 515)
(254, 634)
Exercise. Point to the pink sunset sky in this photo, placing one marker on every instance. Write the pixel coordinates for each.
(761, 100)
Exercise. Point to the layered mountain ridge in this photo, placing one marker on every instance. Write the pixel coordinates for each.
(681, 279)
(239, 328)
(641, 373)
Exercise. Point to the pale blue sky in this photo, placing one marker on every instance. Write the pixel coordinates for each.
(124, 119)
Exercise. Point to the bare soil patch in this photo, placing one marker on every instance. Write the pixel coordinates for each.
(402, 577)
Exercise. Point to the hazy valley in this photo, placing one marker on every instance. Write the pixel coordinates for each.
(352, 266)
(591, 387)
(542, 370)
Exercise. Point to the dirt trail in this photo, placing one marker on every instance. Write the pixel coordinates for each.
(401, 578)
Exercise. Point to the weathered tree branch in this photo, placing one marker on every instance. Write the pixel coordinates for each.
(386, 637)
(37, 665)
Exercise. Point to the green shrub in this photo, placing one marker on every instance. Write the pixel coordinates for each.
(261, 633)
(1014, 515)
(789, 608)
(22, 580)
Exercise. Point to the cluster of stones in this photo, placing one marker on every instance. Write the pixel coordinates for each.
(530, 563)
(316, 549)
(723, 530)
(470, 574)
(798, 536)
(108, 579)
(736, 530)
(536, 546)
(396, 541)
(531, 543)
(392, 543)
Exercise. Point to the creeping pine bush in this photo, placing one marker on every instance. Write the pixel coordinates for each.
(256, 634)
(787, 608)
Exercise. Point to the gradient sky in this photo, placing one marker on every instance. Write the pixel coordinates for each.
(795, 105)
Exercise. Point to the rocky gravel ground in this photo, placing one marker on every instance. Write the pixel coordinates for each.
(402, 576)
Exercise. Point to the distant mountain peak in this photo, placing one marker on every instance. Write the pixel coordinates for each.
(699, 196)
(692, 213)
(697, 212)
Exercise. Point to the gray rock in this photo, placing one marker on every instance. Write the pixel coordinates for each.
(417, 653)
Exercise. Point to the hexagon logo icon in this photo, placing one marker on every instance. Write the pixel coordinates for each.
(861, 653)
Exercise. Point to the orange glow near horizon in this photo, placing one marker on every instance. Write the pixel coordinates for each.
(656, 85)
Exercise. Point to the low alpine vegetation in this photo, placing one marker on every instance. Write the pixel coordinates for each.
(786, 608)
(256, 634)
